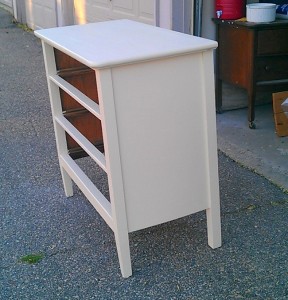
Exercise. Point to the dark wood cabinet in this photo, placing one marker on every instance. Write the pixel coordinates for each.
(252, 56)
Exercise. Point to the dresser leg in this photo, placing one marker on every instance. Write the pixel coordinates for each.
(123, 250)
(67, 183)
(214, 227)
(251, 109)
(252, 125)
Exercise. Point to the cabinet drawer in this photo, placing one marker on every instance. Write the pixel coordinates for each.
(271, 68)
(64, 61)
(85, 82)
(88, 125)
(272, 41)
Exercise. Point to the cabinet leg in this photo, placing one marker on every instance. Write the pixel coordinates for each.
(123, 250)
(219, 96)
(251, 108)
(60, 136)
(252, 125)
(67, 183)
(214, 227)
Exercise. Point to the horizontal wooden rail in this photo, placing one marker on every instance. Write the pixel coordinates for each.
(96, 198)
(67, 72)
(85, 144)
(85, 101)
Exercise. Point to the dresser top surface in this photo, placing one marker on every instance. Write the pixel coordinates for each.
(118, 42)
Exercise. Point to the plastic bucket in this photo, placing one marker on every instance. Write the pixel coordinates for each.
(261, 12)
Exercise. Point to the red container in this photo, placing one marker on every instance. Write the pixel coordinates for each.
(230, 9)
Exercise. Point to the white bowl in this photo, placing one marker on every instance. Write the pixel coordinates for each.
(261, 12)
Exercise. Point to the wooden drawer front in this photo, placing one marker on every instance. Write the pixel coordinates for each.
(84, 82)
(88, 125)
(64, 61)
(83, 79)
(271, 68)
(273, 41)
(235, 54)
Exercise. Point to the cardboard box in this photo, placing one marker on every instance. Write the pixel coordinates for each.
(280, 116)
(284, 105)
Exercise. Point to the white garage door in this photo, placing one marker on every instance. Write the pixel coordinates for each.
(41, 13)
(86, 11)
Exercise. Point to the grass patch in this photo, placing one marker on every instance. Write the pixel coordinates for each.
(32, 258)
(251, 207)
(24, 27)
(278, 203)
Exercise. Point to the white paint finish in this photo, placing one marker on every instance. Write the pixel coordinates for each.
(114, 168)
(102, 10)
(106, 44)
(56, 108)
(161, 131)
(213, 212)
(158, 121)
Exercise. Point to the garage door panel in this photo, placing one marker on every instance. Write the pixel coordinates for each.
(45, 16)
(41, 13)
(146, 11)
(124, 6)
(102, 10)
(86, 11)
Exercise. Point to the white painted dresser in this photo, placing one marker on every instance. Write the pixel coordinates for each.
(154, 97)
